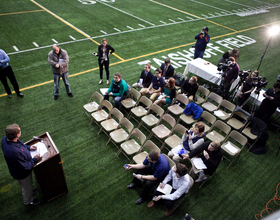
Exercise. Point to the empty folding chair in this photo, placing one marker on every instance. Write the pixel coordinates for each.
(142, 154)
(141, 109)
(202, 95)
(221, 132)
(131, 146)
(131, 100)
(120, 135)
(225, 110)
(92, 105)
(161, 131)
(174, 140)
(102, 113)
(112, 122)
(212, 102)
(208, 120)
(152, 118)
(233, 145)
(237, 120)
(177, 109)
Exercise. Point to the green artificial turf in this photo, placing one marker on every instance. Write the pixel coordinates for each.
(95, 177)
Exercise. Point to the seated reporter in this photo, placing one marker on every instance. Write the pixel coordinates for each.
(169, 93)
(211, 155)
(189, 88)
(153, 169)
(118, 90)
(167, 69)
(145, 78)
(192, 139)
(180, 182)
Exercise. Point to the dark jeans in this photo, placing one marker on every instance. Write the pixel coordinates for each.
(149, 183)
(168, 203)
(106, 65)
(117, 99)
(198, 53)
(225, 86)
(8, 72)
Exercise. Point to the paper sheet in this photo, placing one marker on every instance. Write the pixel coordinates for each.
(41, 149)
(166, 189)
(198, 163)
(219, 113)
(103, 90)
(140, 81)
(231, 148)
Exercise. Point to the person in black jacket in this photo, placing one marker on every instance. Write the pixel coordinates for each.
(211, 154)
(167, 69)
(104, 50)
(270, 103)
(145, 78)
(190, 87)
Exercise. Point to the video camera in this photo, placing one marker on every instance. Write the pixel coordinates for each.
(243, 75)
(261, 82)
(225, 66)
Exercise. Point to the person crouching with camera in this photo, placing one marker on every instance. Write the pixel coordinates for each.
(247, 87)
(229, 77)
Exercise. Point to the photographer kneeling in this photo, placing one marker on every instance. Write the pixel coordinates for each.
(229, 77)
(247, 87)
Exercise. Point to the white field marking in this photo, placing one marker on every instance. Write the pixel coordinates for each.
(117, 29)
(235, 11)
(181, 19)
(126, 13)
(130, 27)
(172, 20)
(54, 41)
(204, 15)
(210, 6)
(262, 2)
(217, 13)
(61, 19)
(15, 48)
(238, 3)
(173, 8)
(73, 38)
(141, 25)
(103, 32)
(211, 14)
(189, 18)
(35, 44)
(162, 22)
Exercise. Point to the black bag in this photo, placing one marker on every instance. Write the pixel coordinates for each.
(179, 79)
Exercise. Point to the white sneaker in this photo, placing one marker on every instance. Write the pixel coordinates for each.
(201, 178)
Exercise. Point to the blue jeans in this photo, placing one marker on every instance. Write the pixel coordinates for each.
(198, 54)
(56, 79)
(117, 100)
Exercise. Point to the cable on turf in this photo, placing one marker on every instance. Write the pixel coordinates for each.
(267, 209)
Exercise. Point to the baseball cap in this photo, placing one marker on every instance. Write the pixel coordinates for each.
(205, 28)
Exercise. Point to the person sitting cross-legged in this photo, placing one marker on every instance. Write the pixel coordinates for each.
(180, 182)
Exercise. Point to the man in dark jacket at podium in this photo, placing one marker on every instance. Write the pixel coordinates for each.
(20, 162)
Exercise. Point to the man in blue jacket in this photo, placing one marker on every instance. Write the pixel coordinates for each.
(20, 162)
(118, 89)
(202, 40)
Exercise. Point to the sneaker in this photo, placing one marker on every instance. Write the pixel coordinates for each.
(55, 97)
(20, 94)
(70, 94)
(10, 95)
(201, 178)
(35, 202)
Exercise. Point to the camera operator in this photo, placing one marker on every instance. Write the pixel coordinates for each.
(229, 77)
(230, 53)
(270, 103)
(202, 40)
(248, 86)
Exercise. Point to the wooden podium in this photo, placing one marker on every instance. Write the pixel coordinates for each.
(49, 171)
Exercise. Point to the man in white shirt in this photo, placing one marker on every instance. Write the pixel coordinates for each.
(180, 182)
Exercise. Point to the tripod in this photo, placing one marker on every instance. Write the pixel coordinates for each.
(235, 89)
(254, 105)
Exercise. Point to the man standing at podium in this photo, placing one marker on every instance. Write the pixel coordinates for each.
(20, 162)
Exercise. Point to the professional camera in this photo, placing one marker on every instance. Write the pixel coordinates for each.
(225, 66)
(243, 75)
(202, 32)
(260, 83)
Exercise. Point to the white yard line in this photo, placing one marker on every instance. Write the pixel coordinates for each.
(210, 6)
(130, 27)
(141, 25)
(125, 12)
(15, 48)
(54, 40)
(103, 32)
(73, 38)
(35, 44)
(238, 3)
(117, 29)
